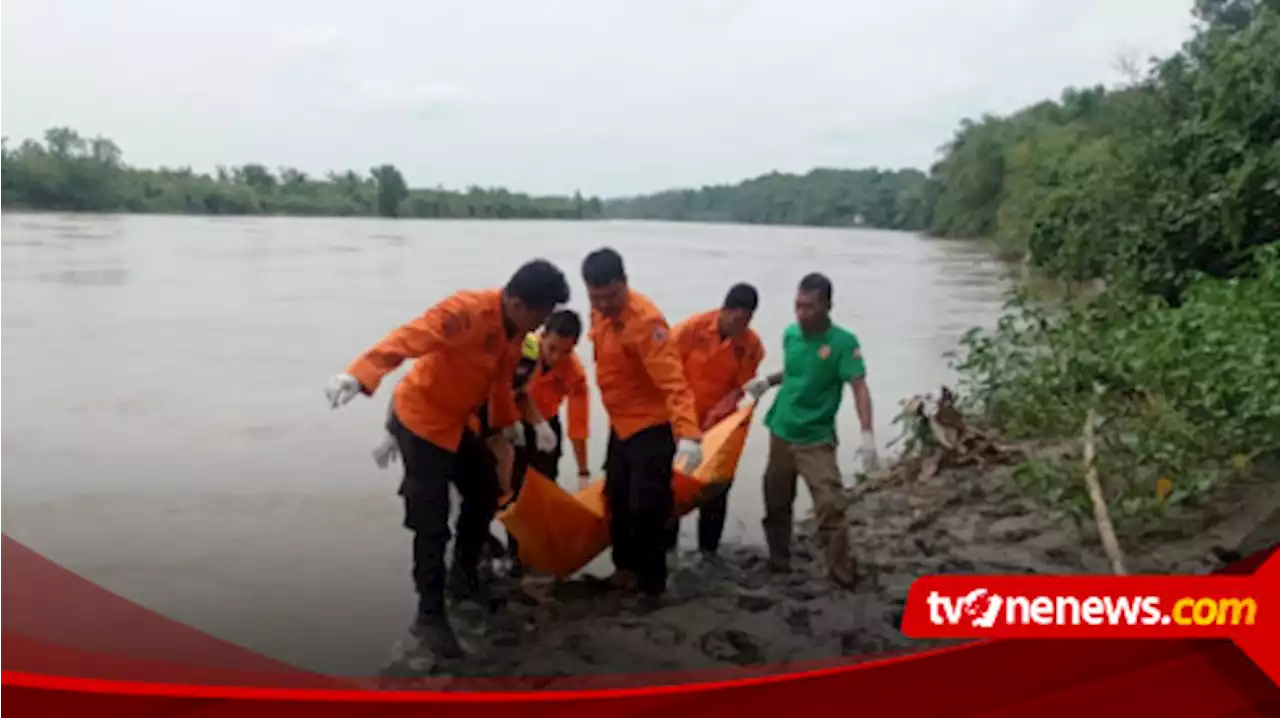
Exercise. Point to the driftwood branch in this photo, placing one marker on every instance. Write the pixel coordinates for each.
(1100, 513)
(938, 439)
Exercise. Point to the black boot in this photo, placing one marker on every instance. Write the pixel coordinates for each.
(468, 586)
(434, 632)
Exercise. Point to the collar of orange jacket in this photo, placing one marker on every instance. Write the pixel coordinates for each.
(633, 308)
(710, 323)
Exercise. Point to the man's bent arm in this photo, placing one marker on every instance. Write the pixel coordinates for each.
(504, 411)
(579, 411)
(504, 457)
(750, 365)
(662, 361)
(580, 455)
(433, 330)
(529, 410)
(862, 401)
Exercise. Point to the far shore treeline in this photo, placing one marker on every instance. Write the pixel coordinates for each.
(67, 171)
(72, 173)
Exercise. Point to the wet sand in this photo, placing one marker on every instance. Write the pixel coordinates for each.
(734, 614)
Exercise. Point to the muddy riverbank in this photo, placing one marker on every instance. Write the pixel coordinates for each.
(733, 614)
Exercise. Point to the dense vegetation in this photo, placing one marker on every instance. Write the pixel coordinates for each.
(823, 197)
(1169, 190)
(71, 173)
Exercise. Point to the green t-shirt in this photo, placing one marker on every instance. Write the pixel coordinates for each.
(815, 371)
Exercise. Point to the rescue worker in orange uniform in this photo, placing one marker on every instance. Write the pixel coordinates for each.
(720, 354)
(652, 420)
(466, 348)
(548, 373)
(555, 375)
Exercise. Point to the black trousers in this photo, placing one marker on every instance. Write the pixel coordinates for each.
(428, 472)
(546, 463)
(712, 511)
(638, 489)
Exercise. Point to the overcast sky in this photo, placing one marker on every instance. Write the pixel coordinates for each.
(606, 96)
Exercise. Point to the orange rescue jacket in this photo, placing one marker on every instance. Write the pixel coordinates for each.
(548, 388)
(642, 382)
(713, 366)
(465, 356)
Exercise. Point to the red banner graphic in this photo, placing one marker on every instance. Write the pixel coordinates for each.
(1244, 609)
(71, 647)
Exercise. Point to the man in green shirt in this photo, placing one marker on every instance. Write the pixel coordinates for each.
(819, 359)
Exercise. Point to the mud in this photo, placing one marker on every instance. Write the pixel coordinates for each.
(732, 613)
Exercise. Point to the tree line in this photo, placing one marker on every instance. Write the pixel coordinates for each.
(1175, 174)
(68, 172)
(1167, 189)
(886, 199)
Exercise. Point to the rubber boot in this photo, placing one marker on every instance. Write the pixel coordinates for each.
(434, 633)
(468, 586)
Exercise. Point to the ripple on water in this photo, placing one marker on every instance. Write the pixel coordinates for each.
(87, 277)
(23, 242)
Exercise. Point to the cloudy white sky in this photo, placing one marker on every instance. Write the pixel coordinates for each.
(606, 96)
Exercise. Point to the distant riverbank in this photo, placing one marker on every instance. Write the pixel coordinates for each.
(69, 172)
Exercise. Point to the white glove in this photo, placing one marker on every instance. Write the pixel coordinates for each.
(341, 389)
(870, 459)
(515, 434)
(544, 437)
(756, 388)
(386, 452)
(688, 455)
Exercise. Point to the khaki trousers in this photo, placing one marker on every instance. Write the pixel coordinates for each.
(817, 464)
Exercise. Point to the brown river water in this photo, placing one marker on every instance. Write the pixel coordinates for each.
(166, 427)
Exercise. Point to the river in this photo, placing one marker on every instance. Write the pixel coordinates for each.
(165, 421)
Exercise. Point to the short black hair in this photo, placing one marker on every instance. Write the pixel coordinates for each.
(539, 284)
(816, 282)
(742, 296)
(603, 267)
(565, 323)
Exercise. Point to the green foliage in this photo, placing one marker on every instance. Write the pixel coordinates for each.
(1176, 175)
(1170, 191)
(392, 189)
(68, 173)
(1231, 14)
(1184, 393)
(823, 197)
